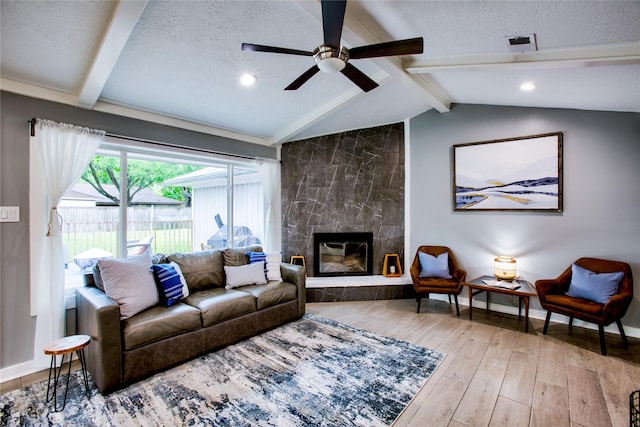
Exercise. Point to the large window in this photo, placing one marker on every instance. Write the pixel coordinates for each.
(133, 200)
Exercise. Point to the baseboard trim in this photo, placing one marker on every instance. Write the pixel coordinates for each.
(542, 314)
(20, 370)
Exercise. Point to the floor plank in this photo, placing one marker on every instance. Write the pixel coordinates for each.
(550, 405)
(587, 405)
(476, 406)
(520, 378)
(438, 409)
(509, 413)
(552, 362)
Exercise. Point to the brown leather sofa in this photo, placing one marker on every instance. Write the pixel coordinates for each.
(122, 351)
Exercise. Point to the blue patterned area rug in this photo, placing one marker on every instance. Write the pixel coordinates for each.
(312, 372)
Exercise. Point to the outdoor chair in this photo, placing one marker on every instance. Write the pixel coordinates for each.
(140, 246)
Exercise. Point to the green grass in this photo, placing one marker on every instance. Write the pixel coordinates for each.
(164, 241)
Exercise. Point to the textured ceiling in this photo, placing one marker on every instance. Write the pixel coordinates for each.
(179, 62)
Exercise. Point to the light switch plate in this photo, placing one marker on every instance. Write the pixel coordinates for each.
(9, 213)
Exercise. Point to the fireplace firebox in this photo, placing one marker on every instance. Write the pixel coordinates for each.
(343, 254)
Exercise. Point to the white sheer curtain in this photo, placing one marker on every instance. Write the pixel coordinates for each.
(62, 152)
(270, 177)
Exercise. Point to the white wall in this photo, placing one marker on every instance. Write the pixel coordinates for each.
(601, 216)
(248, 211)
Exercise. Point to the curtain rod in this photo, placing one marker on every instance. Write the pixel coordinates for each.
(32, 122)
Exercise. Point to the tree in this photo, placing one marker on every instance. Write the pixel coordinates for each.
(141, 174)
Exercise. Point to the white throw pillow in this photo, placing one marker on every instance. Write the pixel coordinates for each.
(273, 267)
(249, 274)
(129, 282)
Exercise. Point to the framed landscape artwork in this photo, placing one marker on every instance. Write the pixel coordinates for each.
(515, 174)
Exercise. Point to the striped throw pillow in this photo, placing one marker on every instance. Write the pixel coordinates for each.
(169, 281)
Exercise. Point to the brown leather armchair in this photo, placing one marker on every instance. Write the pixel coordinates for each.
(553, 298)
(426, 285)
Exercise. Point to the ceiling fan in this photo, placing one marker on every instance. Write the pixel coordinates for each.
(332, 57)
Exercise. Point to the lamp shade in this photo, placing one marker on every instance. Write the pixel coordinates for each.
(504, 268)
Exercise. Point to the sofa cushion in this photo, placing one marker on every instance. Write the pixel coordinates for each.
(218, 304)
(243, 275)
(234, 257)
(129, 282)
(579, 305)
(201, 270)
(158, 323)
(272, 293)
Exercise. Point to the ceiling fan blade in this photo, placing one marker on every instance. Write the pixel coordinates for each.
(273, 49)
(399, 47)
(303, 78)
(332, 19)
(359, 78)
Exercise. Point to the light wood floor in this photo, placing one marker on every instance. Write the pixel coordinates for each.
(495, 374)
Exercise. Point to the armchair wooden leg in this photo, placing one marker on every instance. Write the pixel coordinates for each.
(624, 337)
(419, 299)
(455, 297)
(603, 346)
(546, 323)
(449, 295)
(570, 324)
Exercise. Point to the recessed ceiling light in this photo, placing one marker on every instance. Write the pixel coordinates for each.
(248, 79)
(527, 87)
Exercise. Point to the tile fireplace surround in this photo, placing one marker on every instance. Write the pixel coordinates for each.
(358, 288)
(347, 182)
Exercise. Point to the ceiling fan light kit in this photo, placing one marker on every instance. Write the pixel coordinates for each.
(329, 59)
(332, 57)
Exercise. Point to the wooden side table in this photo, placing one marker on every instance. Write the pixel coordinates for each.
(64, 346)
(298, 260)
(523, 292)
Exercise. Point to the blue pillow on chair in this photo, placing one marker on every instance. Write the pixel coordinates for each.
(597, 287)
(431, 266)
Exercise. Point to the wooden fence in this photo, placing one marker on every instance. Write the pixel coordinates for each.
(86, 228)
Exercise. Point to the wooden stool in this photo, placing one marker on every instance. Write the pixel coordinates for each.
(64, 346)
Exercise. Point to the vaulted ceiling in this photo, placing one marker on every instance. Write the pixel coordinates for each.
(179, 62)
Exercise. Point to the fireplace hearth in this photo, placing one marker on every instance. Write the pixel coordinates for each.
(342, 254)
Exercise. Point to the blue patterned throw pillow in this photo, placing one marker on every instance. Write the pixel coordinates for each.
(255, 257)
(169, 281)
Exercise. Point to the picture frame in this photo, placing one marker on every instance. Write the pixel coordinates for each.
(513, 174)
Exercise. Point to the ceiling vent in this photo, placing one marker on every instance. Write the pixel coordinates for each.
(522, 43)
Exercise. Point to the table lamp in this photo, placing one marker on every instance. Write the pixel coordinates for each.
(504, 268)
